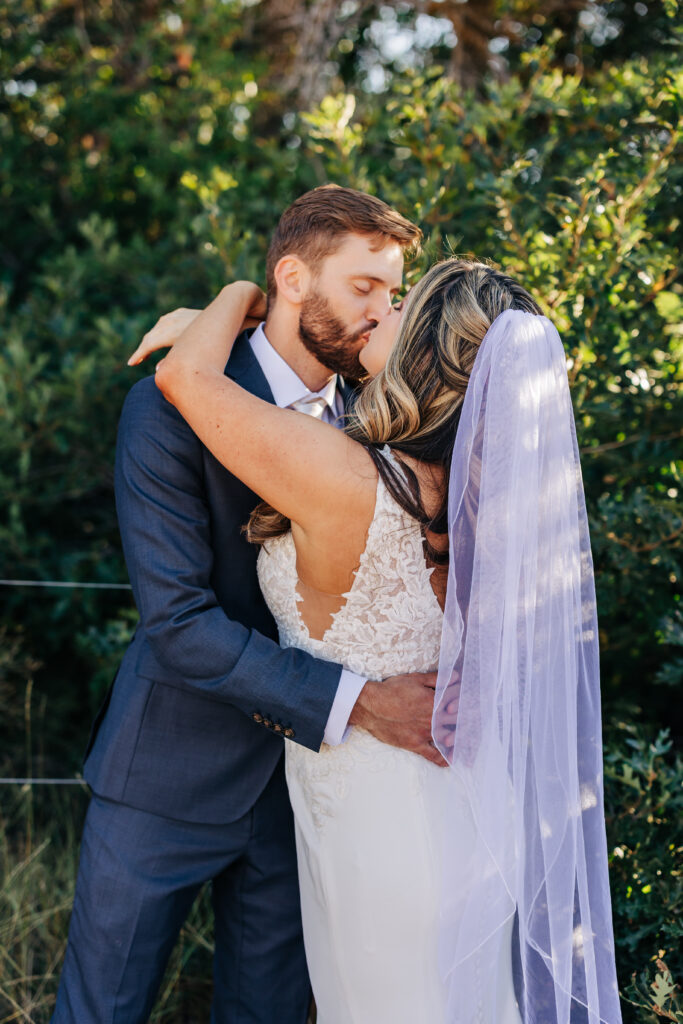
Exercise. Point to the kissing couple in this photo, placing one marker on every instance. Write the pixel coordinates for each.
(402, 798)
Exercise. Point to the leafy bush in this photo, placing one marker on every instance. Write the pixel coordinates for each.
(159, 162)
(644, 810)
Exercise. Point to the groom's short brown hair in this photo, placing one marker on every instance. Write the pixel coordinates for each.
(314, 226)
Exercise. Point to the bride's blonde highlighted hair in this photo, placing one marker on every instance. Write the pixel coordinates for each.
(414, 403)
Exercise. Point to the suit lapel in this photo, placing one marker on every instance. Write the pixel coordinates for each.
(243, 367)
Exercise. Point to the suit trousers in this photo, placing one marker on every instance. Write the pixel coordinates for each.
(138, 876)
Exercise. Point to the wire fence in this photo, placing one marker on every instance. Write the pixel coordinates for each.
(43, 782)
(65, 584)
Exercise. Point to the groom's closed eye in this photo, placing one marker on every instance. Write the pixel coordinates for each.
(366, 284)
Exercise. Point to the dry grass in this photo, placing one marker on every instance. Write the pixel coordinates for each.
(39, 841)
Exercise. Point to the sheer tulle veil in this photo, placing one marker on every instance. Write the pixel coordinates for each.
(519, 670)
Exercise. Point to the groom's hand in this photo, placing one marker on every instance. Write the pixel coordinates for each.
(398, 711)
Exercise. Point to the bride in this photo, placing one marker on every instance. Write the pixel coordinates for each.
(457, 460)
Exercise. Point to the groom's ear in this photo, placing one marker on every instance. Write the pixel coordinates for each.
(292, 279)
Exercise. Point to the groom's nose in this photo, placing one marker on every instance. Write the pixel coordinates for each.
(379, 306)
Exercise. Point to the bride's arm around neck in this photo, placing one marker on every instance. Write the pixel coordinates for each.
(311, 472)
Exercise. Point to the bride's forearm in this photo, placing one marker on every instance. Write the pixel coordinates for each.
(206, 344)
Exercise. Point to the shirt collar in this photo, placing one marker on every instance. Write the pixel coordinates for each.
(286, 385)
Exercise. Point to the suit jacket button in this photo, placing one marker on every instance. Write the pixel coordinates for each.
(289, 733)
(277, 727)
(268, 724)
(257, 718)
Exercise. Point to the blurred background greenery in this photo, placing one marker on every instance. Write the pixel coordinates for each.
(147, 150)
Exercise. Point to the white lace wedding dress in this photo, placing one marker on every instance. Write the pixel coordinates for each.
(366, 813)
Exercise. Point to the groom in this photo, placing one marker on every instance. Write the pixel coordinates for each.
(186, 758)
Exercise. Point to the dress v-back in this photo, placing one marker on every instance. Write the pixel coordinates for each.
(366, 813)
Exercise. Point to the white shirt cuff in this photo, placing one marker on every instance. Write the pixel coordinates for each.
(348, 692)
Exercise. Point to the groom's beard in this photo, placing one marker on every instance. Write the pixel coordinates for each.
(326, 338)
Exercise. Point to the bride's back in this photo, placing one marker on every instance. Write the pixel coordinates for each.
(328, 557)
(382, 615)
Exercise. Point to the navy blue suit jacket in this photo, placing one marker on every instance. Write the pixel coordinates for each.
(193, 725)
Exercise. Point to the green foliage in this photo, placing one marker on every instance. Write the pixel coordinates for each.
(644, 809)
(134, 121)
(144, 159)
(102, 646)
(63, 379)
(657, 999)
(644, 803)
(671, 635)
(106, 108)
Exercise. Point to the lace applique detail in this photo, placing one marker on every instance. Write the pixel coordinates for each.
(391, 619)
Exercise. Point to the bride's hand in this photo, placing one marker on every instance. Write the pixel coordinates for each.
(171, 326)
(164, 334)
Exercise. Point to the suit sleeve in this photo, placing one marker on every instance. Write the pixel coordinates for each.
(165, 528)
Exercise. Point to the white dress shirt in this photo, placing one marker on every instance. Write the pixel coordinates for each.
(287, 388)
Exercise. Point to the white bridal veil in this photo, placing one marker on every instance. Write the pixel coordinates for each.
(519, 665)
